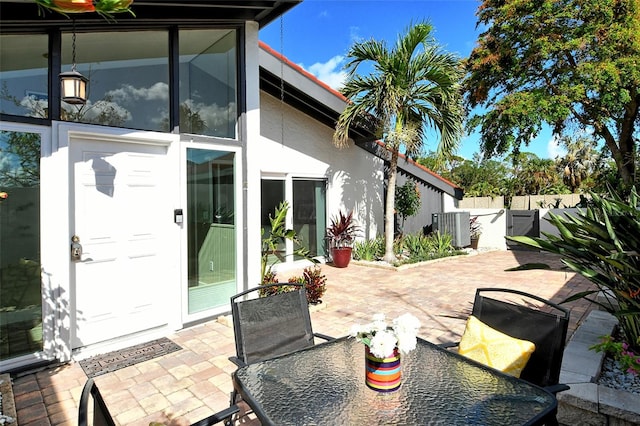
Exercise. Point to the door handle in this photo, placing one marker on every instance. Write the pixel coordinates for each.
(76, 248)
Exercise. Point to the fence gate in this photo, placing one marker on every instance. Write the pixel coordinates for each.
(522, 222)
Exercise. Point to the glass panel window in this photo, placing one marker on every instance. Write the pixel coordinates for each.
(208, 89)
(20, 282)
(272, 193)
(23, 75)
(128, 76)
(309, 209)
(211, 229)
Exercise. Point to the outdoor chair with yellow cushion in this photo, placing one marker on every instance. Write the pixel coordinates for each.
(519, 333)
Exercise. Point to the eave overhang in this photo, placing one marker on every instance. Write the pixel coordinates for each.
(26, 12)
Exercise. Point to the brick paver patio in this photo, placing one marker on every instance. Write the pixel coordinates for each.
(190, 384)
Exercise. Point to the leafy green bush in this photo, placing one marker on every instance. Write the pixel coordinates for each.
(601, 244)
(369, 250)
(409, 248)
(315, 284)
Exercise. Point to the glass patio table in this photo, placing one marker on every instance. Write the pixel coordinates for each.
(325, 385)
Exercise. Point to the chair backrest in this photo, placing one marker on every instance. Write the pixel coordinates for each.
(526, 316)
(266, 327)
(101, 415)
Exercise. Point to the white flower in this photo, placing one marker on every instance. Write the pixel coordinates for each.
(382, 339)
(379, 323)
(406, 324)
(355, 330)
(383, 344)
(406, 342)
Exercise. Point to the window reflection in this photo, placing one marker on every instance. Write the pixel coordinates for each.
(128, 79)
(208, 82)
(23, 75)
(20, 282)
(211, 228)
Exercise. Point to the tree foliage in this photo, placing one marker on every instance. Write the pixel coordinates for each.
(412, 86)
(573, 64)
(407, 200)
(578, 163)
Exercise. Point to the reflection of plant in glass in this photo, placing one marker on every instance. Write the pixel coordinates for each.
(190, 120)
(19, 159)
(104, 111)
(36, 106)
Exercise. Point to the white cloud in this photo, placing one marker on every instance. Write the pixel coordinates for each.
(354, 34)
(329, 72)
(158, 91)
(554, 149)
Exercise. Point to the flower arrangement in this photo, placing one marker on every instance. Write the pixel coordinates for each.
(382, 339)
(106, 8)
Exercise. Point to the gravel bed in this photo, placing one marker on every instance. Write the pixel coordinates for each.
(613, 376)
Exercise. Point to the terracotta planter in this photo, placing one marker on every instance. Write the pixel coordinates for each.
(474, 243)
(341, 256)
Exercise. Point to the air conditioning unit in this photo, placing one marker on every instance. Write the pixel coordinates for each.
(455, 224)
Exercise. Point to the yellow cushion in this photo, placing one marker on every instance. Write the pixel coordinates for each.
(494, 348)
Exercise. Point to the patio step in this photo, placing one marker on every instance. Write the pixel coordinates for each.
(588, 403)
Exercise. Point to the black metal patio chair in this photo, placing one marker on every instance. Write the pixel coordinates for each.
(266, 327)
(102, 417)
(528, 317)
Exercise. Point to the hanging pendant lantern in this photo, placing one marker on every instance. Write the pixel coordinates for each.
(74, 87)
(73, 84)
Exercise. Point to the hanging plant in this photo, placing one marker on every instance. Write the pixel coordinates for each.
(106, 8)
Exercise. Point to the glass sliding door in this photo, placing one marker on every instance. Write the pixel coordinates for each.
(211, 229)
(20, 277)
(307, 206)
(309, 217)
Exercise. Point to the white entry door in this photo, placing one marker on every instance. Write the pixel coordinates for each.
(124, 222)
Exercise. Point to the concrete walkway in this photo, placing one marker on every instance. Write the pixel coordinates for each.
(190, 384)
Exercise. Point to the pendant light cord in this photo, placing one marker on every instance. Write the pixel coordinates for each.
(281, 80)
(73, 46)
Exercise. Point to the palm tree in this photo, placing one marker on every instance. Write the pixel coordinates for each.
(578, 163)
(412, 87)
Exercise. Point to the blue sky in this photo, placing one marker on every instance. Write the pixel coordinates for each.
(317, 34)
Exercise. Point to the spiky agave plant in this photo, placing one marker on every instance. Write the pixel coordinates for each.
(601, 243)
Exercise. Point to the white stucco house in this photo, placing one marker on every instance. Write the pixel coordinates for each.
(192, 132)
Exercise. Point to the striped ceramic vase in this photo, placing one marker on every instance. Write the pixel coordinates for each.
(382, 374)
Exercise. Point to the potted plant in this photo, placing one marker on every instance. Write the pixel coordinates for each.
(341, 234)
(475, 230)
